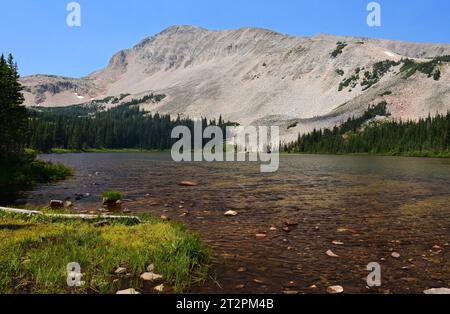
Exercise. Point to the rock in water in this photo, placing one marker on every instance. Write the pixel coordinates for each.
(188, 183)
(437, 291)
(152, 277)
(395, 255)
(56, 204)
(127, 291)
(330, 253)
(291, 223)
(335, 289)
(68, 204)
(231, 213)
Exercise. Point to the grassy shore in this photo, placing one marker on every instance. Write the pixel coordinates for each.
(20, 172)
(35, 252)
(393, 154)
(101, 150)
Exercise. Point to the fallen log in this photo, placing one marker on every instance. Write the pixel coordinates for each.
(67, 216)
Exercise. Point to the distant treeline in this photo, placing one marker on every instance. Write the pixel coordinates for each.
(426, 137)
(125, 126)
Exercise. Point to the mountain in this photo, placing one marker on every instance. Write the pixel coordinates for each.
(258, 76)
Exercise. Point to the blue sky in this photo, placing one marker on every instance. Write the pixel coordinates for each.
(37, 34)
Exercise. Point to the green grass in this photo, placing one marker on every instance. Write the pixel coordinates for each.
(111, 196)
(35, 252)
(24, 171)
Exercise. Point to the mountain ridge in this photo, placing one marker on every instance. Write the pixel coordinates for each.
(254, 75)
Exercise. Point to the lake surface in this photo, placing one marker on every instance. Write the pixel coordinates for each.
(373, 206)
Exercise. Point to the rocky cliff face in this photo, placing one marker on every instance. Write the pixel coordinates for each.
(259, 76)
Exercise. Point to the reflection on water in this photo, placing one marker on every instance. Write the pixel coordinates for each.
(373, 205)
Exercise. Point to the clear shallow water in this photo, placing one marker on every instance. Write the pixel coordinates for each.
(373, 205)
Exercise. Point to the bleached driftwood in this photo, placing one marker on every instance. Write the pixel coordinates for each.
(66, 216)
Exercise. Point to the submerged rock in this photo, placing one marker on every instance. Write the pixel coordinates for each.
(188, 183)
(291, 223)
(330, 253)
(56, 204)
(231, 213)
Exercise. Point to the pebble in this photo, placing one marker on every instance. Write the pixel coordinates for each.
(330, 253)
(395, 255)
(437, 291)
(150, 276)
(335, 289)
(291, 223)
(188, 183)
(127, 291)
(68, 204)
(231, 213)
(120, 271)
(159, 288)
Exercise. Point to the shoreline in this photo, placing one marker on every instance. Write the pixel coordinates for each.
(430, 155)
